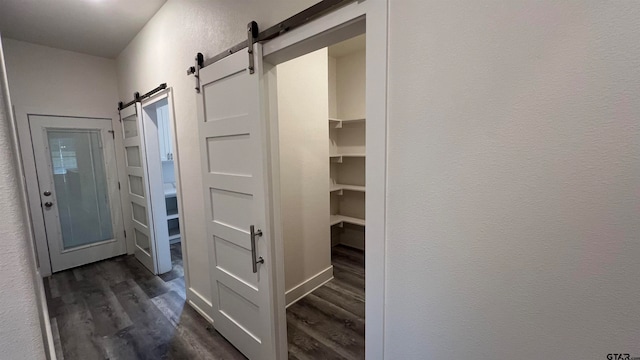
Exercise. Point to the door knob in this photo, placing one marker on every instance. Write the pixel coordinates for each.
(48, 204)
(47, 193)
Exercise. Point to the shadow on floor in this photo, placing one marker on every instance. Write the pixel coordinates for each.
(117, 309)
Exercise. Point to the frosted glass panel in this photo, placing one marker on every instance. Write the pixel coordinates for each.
(135, 185)
(142, 240)
(139, 214)
(133, 156)
(81, 186)
(129, 126)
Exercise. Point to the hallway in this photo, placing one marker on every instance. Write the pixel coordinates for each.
(116, 309)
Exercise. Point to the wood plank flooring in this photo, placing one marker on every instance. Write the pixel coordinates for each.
(116, 309)
(329, 322)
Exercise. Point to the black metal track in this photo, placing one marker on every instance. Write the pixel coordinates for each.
(138, 98)
(121, 105)
(154, 91)
(297, 20)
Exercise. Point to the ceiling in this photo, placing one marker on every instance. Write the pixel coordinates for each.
(348, 46)
(95, 27)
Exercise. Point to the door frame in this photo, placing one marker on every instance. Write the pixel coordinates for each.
(178, 174)
(334, 27)
(168, 94)
(27, 156)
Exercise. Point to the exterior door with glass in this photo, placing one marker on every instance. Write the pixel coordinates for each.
(78, 184)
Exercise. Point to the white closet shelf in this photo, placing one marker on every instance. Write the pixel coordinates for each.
(337, 123)
(338, 157)
(338, 219)
(174, 233)
(339, 187)
(172, 215)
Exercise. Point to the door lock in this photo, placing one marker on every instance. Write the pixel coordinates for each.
(47, 193)
(48, 204)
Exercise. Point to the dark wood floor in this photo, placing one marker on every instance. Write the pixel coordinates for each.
(116, 309)
(329, 322)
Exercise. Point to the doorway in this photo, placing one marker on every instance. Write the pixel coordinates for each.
(162, 169)
(321, 121)
(78, 188)
(153, 191)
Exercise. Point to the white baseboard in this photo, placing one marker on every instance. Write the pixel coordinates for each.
(204, 307)
(44, 312)
(201, 305)
(306, 287)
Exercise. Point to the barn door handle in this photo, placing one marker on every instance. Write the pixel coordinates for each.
(259, 260)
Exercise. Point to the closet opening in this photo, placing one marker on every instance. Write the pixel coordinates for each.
(321, 130)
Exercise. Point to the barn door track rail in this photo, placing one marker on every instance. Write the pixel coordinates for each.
(253, 35)
(138, 98)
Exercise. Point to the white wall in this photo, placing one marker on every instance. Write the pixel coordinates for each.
(161, 52)
(513, 169)
(351, 85)
(333, 90)
(303, 112)
(21, 331)
(59, 82)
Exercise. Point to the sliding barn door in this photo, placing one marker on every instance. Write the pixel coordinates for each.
(232, 133)
(138, 186)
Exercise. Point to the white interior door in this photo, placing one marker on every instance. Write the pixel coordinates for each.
(232, 133)
(138, 187)
(78, 184)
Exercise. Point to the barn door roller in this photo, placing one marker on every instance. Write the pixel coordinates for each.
(195, 70)
(252, 37)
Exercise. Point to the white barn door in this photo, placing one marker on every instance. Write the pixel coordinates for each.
(233, 144)
(138, 186)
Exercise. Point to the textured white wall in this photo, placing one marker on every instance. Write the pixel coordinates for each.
(514, 165)
(20, 329)
(59, 80)
(303, 110)
(51, 81)
(161, 52)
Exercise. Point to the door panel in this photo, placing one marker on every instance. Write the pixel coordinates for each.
(77, 177)
(138, 186)
(232, 134)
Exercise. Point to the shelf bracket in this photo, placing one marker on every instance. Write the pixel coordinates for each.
(336, 159)
(335, 123)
